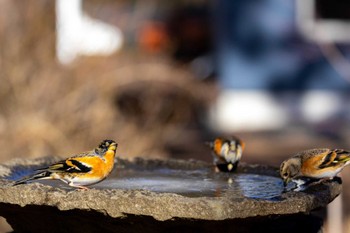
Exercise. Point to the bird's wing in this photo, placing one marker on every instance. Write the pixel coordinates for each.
(335, 158)
(342, 156)
(70, 165)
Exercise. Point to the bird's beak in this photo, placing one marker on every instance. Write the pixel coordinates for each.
(286, 181)
(210, 144)
(230, 166)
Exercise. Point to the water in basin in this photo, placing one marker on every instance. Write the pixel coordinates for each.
(190, 183)
(196, 183)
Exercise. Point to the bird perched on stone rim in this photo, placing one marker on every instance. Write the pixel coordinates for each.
(80, 170)
(227, 152)
(320, 163)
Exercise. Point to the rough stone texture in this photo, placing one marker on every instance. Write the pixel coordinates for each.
(22, 205)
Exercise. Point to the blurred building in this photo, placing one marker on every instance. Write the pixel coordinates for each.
(78, 34)
(275, 67)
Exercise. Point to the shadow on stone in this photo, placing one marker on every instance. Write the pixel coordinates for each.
(50, 219)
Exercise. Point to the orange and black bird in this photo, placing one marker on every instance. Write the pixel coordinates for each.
(80, 170)
(227, 152)
(319, 163)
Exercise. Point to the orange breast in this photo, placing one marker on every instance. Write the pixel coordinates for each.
(101, 167)
(217, 146)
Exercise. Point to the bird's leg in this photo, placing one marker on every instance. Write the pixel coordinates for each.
(320, 181)
(80, 187)
(72, 185)
(216, 169)
(63, 180)
(329, 179)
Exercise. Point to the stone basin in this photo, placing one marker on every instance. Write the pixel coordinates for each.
(162, 196)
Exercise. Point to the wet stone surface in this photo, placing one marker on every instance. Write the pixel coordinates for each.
(159, 191)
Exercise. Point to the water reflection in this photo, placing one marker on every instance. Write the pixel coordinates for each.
(197, 183)
(259, 186)
(190, 183)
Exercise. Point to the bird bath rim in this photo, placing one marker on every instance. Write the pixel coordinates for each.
(118, 203)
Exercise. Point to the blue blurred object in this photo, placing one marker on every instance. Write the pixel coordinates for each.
(259, 47)
(270, 74)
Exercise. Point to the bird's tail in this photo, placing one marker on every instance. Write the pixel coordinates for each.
(37, 176)
(342, 156)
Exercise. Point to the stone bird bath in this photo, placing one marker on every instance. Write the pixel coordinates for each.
(162, 196)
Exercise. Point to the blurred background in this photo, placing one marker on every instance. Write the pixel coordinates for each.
(163, 77)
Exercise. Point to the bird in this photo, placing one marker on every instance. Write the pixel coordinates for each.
(319, 163)
(227, 152)
(79, 170)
